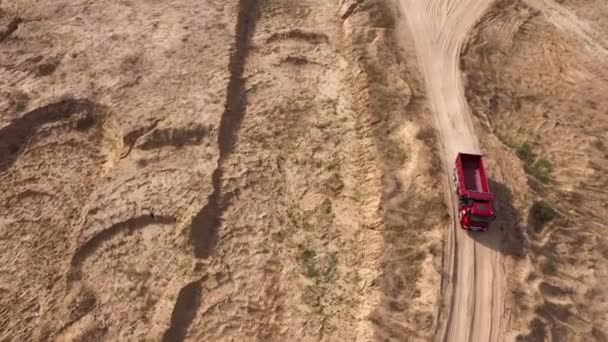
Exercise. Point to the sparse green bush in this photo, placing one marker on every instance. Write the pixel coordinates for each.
(20, 101)
(20, 106)
(542, 170)
(326, 207)
(524, 152)
(326, 270)
(539, 168)
(541, 213)
(307, 261)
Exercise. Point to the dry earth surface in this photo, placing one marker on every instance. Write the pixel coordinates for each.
(277, 170)
(474, 278)
(214, 170)
(537, 81)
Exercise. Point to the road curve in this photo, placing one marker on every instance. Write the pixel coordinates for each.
(475, 283)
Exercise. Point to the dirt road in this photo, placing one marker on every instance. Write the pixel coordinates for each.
(473, 290)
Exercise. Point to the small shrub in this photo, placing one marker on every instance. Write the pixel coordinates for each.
(541, 213)
(307, 261)
(334, 184)
(330, 271)
(539, 168)
(543, 169)
(424, 320)
(524, 152)
(20, 106)
(20, 101)
(312, 296)
(279, 236)
(395, 155)
(326, 207)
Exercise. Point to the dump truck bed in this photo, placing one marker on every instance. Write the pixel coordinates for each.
(471, 174)
(474, 177)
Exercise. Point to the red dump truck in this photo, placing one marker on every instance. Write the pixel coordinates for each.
(475, 201)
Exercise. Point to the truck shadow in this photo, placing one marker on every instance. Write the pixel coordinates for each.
(506, 232)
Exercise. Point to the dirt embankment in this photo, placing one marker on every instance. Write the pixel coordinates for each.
(412, 207)
(302, 188)
(214, 169)
(538, 87)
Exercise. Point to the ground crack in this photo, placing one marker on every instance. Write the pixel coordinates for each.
(205, 225)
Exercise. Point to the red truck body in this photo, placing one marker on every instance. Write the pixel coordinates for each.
(475, 200)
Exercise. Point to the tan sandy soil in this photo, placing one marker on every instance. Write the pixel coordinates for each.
(107, 128)
(314, 230)
(214, 170)
(590, 12)
(277, 170)
(472, 294)
(539, 84)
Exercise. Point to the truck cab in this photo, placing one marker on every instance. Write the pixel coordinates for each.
(475, 201)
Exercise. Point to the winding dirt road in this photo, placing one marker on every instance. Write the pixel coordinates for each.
(475, 283)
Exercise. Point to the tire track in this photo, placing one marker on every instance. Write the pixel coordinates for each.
(16, 133)
(440, 29)
(91, 245)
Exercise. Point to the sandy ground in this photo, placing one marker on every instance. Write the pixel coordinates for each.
(214, 170)
(473, 292)
(107, 152)
(279, 170)
(536, 76)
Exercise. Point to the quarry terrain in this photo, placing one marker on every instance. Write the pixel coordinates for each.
(536, 75)
(278, 170)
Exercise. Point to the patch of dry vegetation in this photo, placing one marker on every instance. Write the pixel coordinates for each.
(413, 212)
